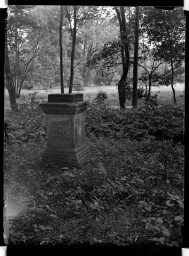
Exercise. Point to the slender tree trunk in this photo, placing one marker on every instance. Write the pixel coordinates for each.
(135, 67)
(20, 88)
(149, 87)
(146, 91)
(17, 64)
(9, 81)
(61, 57)
(172, 81)
(16, 87)
(124, 54)
(73, 52)
(84, 54)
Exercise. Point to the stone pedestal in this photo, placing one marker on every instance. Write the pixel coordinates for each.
(66, 142)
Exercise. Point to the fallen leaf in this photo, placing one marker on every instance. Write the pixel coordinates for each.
(168, 203)
(159, 220)
(162, 240)
(165, 231)
(43, 242)
(102, 169)
(45, 228)
(42, 227)
(180, 203)
(149, 226)
(65, 168)
(98, 241)
(50, 193)
(166, 212)
(156, 227)
(178, 218)
(53, 215)
(136, 238)
(155, 239)
(148, 208)
(48, 207)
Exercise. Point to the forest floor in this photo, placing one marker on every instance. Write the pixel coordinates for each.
(129, 192)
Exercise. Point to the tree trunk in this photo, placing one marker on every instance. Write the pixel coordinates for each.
(17, 87)
(83, 64)
(9, 81)
(20, 88)
(172, 81)
(135, 67)
(150, 85)
(61, 57)
(146, 90)
(73, 52)
(17, 64)
(124, 54)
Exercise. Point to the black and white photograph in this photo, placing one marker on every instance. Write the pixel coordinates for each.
(94, 125)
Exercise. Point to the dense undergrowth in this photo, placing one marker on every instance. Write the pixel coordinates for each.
(163, 122)
(129, 192)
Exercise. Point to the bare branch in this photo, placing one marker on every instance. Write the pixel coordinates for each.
(157, 67)
(144, 68)
(33, 69)
(118, 14)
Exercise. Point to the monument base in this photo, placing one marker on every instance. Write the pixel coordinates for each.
(69, 157)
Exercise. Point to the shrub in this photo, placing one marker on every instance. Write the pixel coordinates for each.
(129, 92)
(140, 93)
(27, 85)
(163, 122)
(101, 96)
(78, 87)
(6, 130)
(152, 100)
(30, 122)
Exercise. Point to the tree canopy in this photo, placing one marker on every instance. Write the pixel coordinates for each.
(104, 45)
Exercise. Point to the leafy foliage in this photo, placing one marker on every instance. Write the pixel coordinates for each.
(129, 91)
(30, 122)
(128, 192)
(101, 96)
(158, 122)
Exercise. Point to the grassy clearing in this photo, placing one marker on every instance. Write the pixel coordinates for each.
(90, 92)
(129, 192)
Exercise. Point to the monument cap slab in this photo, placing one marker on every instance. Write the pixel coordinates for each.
(69, 97)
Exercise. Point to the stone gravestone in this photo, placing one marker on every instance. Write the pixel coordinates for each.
(66, 142)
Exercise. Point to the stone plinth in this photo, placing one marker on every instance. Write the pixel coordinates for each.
(66, 142)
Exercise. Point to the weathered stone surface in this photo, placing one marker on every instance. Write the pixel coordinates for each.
(66, 143)
(71, 157)
(63, 108)
(60, 131)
